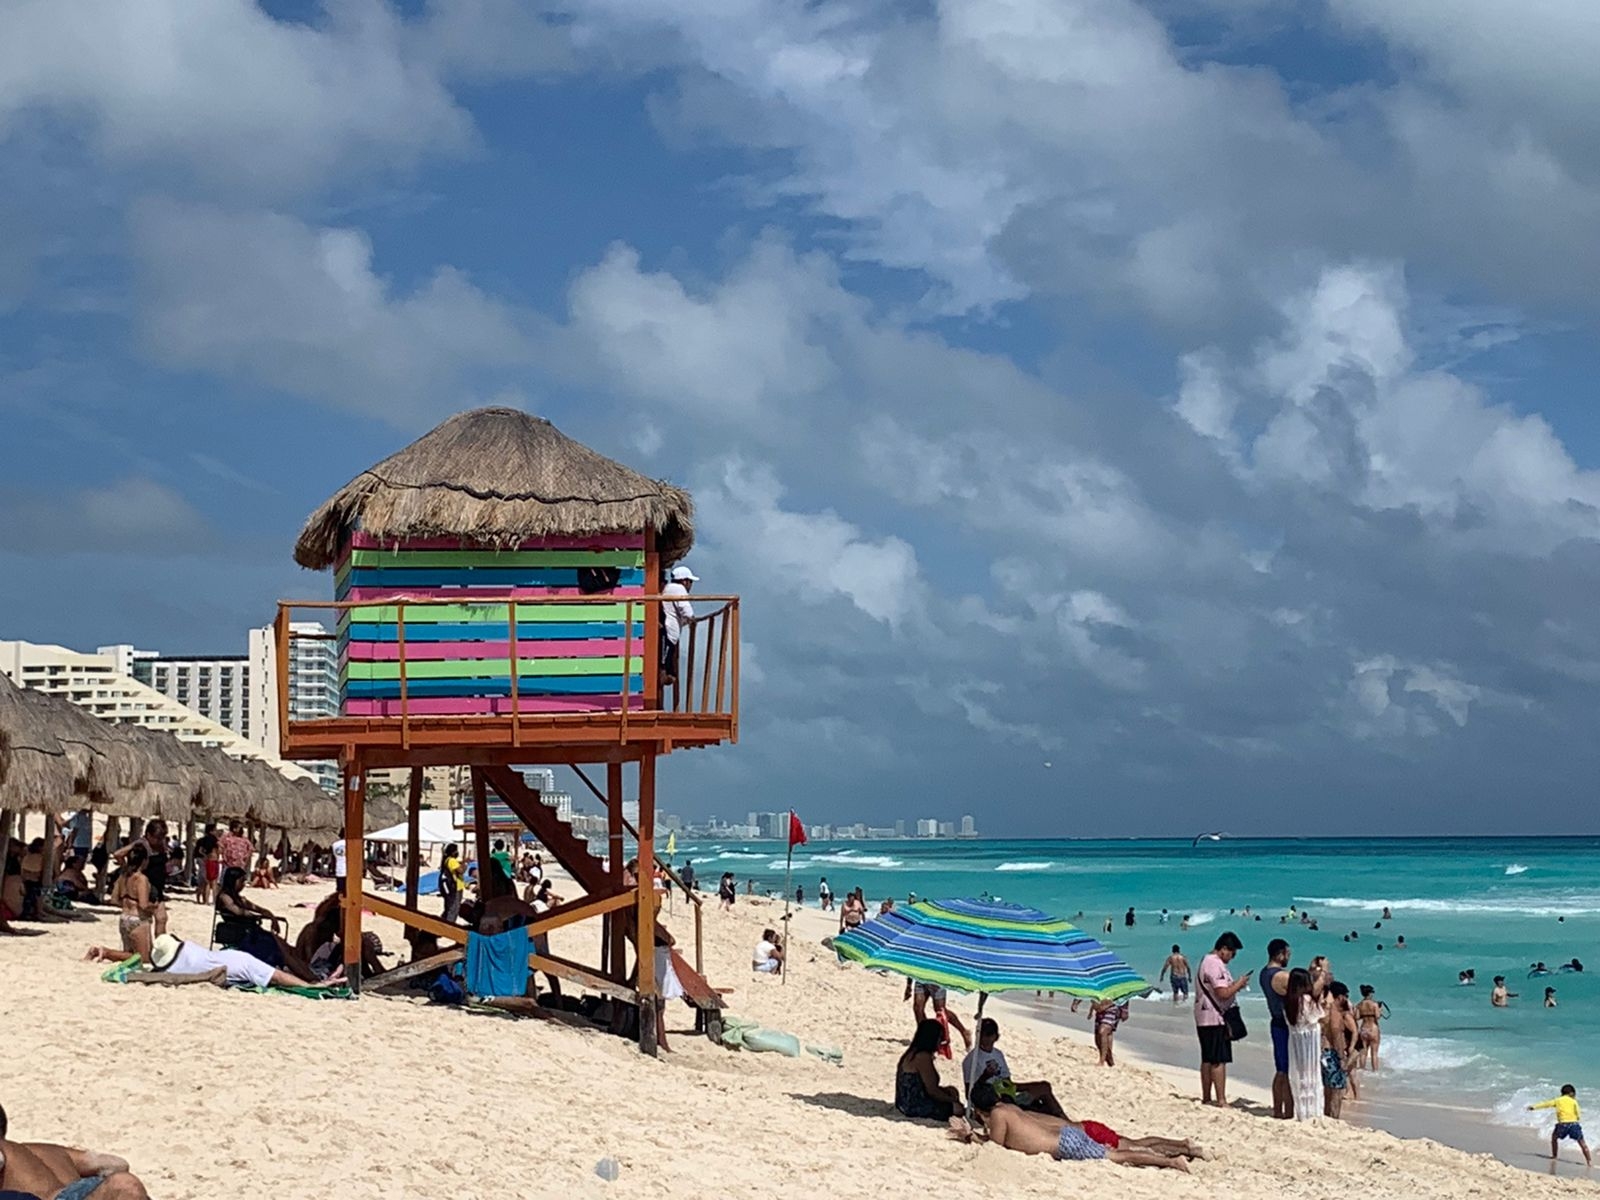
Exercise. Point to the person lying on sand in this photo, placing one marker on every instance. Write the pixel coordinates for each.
(49, 1172)
(172, 954)
(1068, 1140)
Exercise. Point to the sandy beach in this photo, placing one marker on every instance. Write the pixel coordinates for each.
(206, 1092)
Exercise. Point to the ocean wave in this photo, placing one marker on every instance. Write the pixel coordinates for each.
(854, 858)
(1531, 906)
(1409, 1054)
(1025, 866)
(1513, 1109)
(1201, 918)
(1515, 869)
(733, 854)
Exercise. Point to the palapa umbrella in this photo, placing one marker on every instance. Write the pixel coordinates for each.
(988, 946)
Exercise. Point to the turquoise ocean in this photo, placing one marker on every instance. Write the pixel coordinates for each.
(1492, 905)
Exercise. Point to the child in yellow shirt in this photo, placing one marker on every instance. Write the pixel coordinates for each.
(1567, 1118)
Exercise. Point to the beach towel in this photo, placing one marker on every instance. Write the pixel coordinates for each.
(498, 965)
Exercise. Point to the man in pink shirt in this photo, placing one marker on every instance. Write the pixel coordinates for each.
(1213, 997)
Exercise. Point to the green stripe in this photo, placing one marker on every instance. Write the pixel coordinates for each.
(421, 612)
(477, 668)
(488, 558)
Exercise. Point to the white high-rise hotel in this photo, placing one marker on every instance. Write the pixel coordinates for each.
(230, 701)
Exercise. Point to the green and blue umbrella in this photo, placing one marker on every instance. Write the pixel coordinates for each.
(989, 946)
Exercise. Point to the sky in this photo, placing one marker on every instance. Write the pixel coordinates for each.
(1117, 417)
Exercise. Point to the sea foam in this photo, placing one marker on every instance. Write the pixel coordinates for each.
(1515, 869)
(1409, 1054)
(1510, 906)
(1025, 866)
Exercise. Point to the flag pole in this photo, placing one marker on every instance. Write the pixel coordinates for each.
(788, 868)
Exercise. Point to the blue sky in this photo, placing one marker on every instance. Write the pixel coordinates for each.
(1195, 398)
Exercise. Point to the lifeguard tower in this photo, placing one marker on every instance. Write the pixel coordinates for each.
(497, 601)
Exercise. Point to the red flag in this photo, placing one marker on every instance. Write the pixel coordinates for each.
(797, 831)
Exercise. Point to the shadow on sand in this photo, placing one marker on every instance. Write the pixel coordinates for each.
(855, 1106)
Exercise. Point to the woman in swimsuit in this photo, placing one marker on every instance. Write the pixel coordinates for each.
(131, 893)
(917, 1090)
(1368, 1036)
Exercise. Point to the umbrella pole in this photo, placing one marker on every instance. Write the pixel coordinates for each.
(788, 940)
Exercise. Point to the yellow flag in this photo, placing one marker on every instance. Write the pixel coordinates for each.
(672, 843)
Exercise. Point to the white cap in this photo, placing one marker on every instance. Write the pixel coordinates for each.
(682, 574)
(163, 951)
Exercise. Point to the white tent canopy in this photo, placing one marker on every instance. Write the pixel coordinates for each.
(435, 826)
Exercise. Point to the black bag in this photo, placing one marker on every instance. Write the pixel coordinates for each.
(1232, 1018)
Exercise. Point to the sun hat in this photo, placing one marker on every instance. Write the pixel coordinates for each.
(163, 951)
(682, 574)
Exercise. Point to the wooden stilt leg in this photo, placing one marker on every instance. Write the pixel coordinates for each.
(414, 838)
(646, 942)
(487, 889)
(618, 951)
(355, 795)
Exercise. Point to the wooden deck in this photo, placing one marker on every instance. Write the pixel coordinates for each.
(448, 741)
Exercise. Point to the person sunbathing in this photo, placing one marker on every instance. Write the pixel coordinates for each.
(49, 1172)
(1068, 1140)
(179, 957)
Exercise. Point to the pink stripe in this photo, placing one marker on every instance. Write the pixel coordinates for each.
(598, 541)
(462, 651)
(446, 706)
(465, 595)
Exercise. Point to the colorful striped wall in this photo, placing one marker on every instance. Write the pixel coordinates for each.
(458, 648)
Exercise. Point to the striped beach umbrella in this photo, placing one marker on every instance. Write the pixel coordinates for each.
(988, 946)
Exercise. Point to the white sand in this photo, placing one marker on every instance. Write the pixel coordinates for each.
(211, 1093)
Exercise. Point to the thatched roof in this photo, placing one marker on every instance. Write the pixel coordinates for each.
(38, 775)
(497, 476)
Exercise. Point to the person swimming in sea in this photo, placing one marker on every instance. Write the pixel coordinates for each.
(1549, 997)
(1387, 915)
(1573, 966)
(1501, 998)
(1535, 970)
(1466, 978)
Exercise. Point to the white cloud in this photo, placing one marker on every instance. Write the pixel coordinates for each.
(1003, 147)
(223, 90)
(1381, 689)
(737, 350)
(806, 557)
(266, 298)
(1342, 402)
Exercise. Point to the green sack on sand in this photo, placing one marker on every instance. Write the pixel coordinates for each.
(741, 1033)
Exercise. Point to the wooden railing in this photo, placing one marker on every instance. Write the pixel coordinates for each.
(707, 683)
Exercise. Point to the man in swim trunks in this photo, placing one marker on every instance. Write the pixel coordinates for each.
(1178, 966)
(1068, 1140)
(62, 1173)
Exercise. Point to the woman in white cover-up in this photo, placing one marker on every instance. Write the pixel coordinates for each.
(1302, 1009)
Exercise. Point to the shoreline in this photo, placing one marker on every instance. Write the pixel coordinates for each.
(1160, 1040)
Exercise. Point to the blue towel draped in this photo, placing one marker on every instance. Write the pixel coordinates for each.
(498, 965)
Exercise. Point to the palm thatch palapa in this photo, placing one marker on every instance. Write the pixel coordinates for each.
(497, 477)
(37, 773)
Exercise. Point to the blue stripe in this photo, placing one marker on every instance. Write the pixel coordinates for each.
(493, 631)
(527, 685)
(403, 577)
